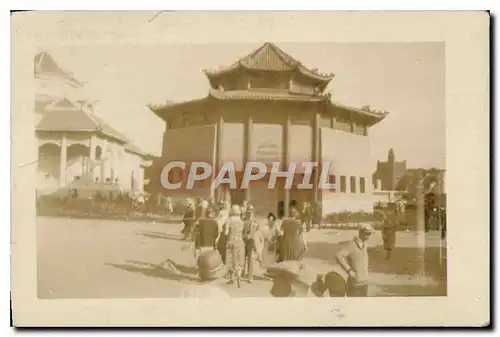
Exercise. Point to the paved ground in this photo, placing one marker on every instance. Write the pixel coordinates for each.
(79, 258)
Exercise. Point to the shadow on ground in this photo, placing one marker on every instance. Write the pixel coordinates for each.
(167, 270)
(411, 290)
(164, 236)
(402, 262)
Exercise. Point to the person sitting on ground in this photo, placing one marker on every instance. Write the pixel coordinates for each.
(293, 279)
(211, 272)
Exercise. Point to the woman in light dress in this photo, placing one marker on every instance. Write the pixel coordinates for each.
(221, 218)
(235, 253)
(272, 233)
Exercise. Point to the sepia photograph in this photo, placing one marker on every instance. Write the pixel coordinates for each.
(216, 170)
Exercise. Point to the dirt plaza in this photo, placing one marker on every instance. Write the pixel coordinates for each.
(82, 258)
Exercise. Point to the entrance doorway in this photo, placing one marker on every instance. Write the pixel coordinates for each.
(237, 196)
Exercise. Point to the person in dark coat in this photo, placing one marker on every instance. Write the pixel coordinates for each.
(443, 222)
(389, 228)
(207, 232)
(281, 209)
(292, 245)
(188, 219)
(307, 215)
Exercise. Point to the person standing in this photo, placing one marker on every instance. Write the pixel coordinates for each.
(353, 259)
(307, 215)
(292, 245)
(235, 253)
(221, 218)
(443, 222)
(271, 239)
(244, 207)
(389, 228)
(188, 219)
(254, 243)
(169, 207)
(207, 232)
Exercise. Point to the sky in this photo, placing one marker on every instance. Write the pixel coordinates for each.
(405, 79)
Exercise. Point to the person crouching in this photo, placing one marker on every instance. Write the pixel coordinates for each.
(211, 272)
(292, 279)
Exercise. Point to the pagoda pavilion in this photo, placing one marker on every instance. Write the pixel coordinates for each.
(76, 148)
(269, 107)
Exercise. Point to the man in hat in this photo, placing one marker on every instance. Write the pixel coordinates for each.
(254, 243)
(211, 272)
(353, 258)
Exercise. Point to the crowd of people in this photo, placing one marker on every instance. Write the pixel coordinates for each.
(229, 244)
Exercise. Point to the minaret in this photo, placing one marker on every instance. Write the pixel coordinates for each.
(392, 157)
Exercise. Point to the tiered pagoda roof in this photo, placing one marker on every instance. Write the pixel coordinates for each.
(269, 58)
(46, 66)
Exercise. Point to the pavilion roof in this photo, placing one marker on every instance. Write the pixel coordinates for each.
(266, 95)
(45, 65)
(270, 57)
(134, 149)
(371, 117)
(77, 121)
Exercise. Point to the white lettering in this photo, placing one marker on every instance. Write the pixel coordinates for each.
(248, 176)
(323, 180)
(275, 173)
(164, 175)
(231, 179)
(306, 182)
(193, 173)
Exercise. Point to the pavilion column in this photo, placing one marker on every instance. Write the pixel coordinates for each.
(248, 150)
(286, 159)
(63, 161)
(91, 160)
(315, 156)
(103, 160)
(218, 158)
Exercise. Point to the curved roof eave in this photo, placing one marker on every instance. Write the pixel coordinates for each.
(372, 117)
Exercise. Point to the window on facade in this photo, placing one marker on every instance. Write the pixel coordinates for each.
(362, 185)
(98, 152)
(299, 119)
(343, 124)
(360, 129)
(353, 184)
(325, 121)
(333, 180)
(343, 188)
